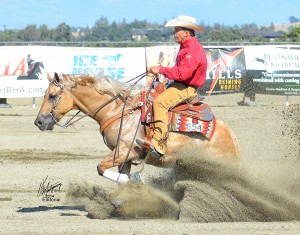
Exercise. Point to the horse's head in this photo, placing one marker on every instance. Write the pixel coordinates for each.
(57, 102)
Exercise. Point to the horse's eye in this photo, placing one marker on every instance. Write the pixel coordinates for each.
(52, 96)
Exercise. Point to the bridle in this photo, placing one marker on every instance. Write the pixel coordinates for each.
(91, 113)
(68, 122)
(56, 100)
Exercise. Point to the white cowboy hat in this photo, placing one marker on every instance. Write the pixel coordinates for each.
(186, 22)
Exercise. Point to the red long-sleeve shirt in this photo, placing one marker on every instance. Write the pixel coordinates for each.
(191, 64)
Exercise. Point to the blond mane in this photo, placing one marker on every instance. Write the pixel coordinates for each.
(104, 84)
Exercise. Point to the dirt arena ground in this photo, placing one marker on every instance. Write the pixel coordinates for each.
(197, 197)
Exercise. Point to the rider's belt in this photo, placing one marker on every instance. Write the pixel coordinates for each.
(187, 85)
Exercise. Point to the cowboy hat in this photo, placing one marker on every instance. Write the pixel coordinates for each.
(186, 22)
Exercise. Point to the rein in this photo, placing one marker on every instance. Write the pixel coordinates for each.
(139, 77)
(92, 113)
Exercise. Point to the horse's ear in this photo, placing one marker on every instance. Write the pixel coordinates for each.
(49, 77)
(56, 77)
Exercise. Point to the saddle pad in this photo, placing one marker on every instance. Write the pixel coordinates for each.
(190, 117)
(182, 123)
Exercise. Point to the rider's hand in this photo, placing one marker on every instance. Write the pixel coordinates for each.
(154, 70)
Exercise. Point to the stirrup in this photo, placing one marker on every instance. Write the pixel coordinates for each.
(144, 144)
(136, 177)
(154, 153)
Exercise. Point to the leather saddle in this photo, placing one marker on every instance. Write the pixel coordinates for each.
(194, 116)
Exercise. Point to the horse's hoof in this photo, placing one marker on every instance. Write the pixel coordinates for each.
(136, 178)
(136, 162)
(117, 203)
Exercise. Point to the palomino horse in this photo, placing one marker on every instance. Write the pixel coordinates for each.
(115, 107)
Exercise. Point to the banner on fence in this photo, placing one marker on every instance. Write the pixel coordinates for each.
(273, 70)
(225, 71)
(226, 66)
(23, 69)
(20, 75)
(264, 69)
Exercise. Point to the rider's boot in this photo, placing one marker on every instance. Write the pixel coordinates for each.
(147, 145)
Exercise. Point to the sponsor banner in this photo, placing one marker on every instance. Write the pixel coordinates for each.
(264, 69)
(273, 70)
(10, 87)
(225, 71)
(226, 67)
(20, 75)
(23, 69)
(119, 63)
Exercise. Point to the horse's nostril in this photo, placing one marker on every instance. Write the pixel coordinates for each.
(38, 123)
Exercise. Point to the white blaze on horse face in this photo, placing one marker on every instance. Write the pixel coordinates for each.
(115, 176)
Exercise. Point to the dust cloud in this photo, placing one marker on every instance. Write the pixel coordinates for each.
(203, 189)
(200, 190)
(213, 191)
(132, 200)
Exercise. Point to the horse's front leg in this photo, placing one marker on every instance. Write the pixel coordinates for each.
(119, 159)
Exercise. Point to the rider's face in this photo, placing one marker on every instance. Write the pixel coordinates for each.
(179, 34)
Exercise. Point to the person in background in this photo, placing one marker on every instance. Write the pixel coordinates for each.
(249, 94)
(188, 74)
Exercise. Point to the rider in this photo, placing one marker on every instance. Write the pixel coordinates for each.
(189, 74)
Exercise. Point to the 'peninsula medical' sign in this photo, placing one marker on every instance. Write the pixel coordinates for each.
(274, 70)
